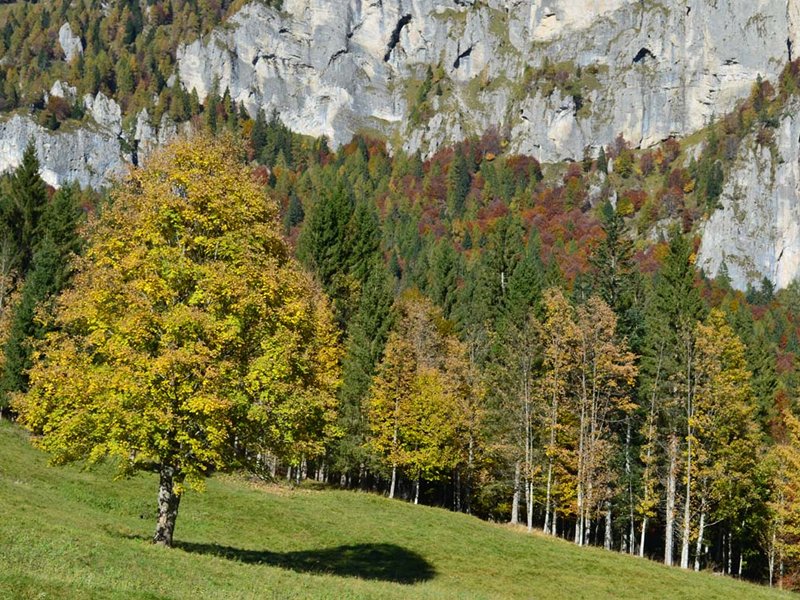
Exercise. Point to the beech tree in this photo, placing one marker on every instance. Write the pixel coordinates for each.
(190, 341)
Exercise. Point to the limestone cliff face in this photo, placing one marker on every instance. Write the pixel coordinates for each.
(756, 233)
(658, 69)
(553, 76)
(90, 156)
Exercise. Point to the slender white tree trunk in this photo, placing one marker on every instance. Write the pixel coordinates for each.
(393, 485)
(687, 507)
(609, 538)
(547, 498)
(700, 532)
(772, 559)
(642, 538)
(416, 493)
(529, 506)
(669, 526)
(515, 499)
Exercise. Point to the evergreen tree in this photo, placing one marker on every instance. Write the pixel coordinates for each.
(49, 273)
(615, 277)
(294, 212)
(22, 209)
(323, 243)
(458, 184)
(443, 276)
(367, 333)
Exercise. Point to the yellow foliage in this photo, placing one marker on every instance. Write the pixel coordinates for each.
(188, 326)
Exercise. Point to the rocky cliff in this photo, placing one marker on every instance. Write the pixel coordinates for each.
(756, 231)
(553, 76)
(645, 69)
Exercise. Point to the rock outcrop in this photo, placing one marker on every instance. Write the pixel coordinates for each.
(87, 155)
(756, 231)
(70, 43)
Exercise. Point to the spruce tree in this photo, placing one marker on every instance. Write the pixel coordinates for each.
(49, 273)
(23, 208)
(458, 184)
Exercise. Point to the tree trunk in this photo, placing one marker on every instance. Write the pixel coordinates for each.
(547, 500)
(168, 502)
(608, 540)
(669, 529)
(772, 559)
(530, 505)
(416, 493)
(699, 548)
(642, 539)
(687, 507)
(394, 481)
(515, 499)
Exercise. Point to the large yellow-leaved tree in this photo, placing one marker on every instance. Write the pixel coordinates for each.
(190, 340)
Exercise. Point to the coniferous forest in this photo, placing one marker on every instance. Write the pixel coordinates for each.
(475, 331)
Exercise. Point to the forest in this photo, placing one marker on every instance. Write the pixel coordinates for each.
(475, 330)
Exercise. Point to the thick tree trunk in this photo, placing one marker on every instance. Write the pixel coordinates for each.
(515, 499)
(394, 481)
(168, 502)
(669, 530)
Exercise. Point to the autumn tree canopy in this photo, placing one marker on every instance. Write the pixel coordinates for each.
(190, 340)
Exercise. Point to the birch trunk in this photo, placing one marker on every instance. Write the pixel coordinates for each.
(168, 502)
(416, 493)
(669, 529)
(393, 485)
(530, 505)
(608, 540)
(515, 499)
(701, 530)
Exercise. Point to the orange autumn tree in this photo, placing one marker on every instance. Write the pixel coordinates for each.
(190, 340)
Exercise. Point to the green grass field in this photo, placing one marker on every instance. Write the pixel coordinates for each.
(68, 533)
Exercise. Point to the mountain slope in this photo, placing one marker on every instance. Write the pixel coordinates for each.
(68, 532)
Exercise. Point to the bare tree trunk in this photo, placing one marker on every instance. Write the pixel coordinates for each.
(771, 555)
(547, 499)
(168, 502)
(699, 547)
(416, 493)
(393, 485)
(642, 538)
(687, 507)
(629, 474)
(608, 540)
(730, 555)
(529, 506)
(515, 499)
(669, 529)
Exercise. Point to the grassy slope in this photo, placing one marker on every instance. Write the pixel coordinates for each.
(71, 533)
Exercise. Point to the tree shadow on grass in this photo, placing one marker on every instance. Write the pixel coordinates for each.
(384, 562)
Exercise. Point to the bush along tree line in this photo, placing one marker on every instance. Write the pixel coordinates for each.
(479, 332)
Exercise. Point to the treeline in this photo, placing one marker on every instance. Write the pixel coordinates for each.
(515, 350)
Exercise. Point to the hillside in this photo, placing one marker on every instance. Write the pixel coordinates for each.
(72, 533)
